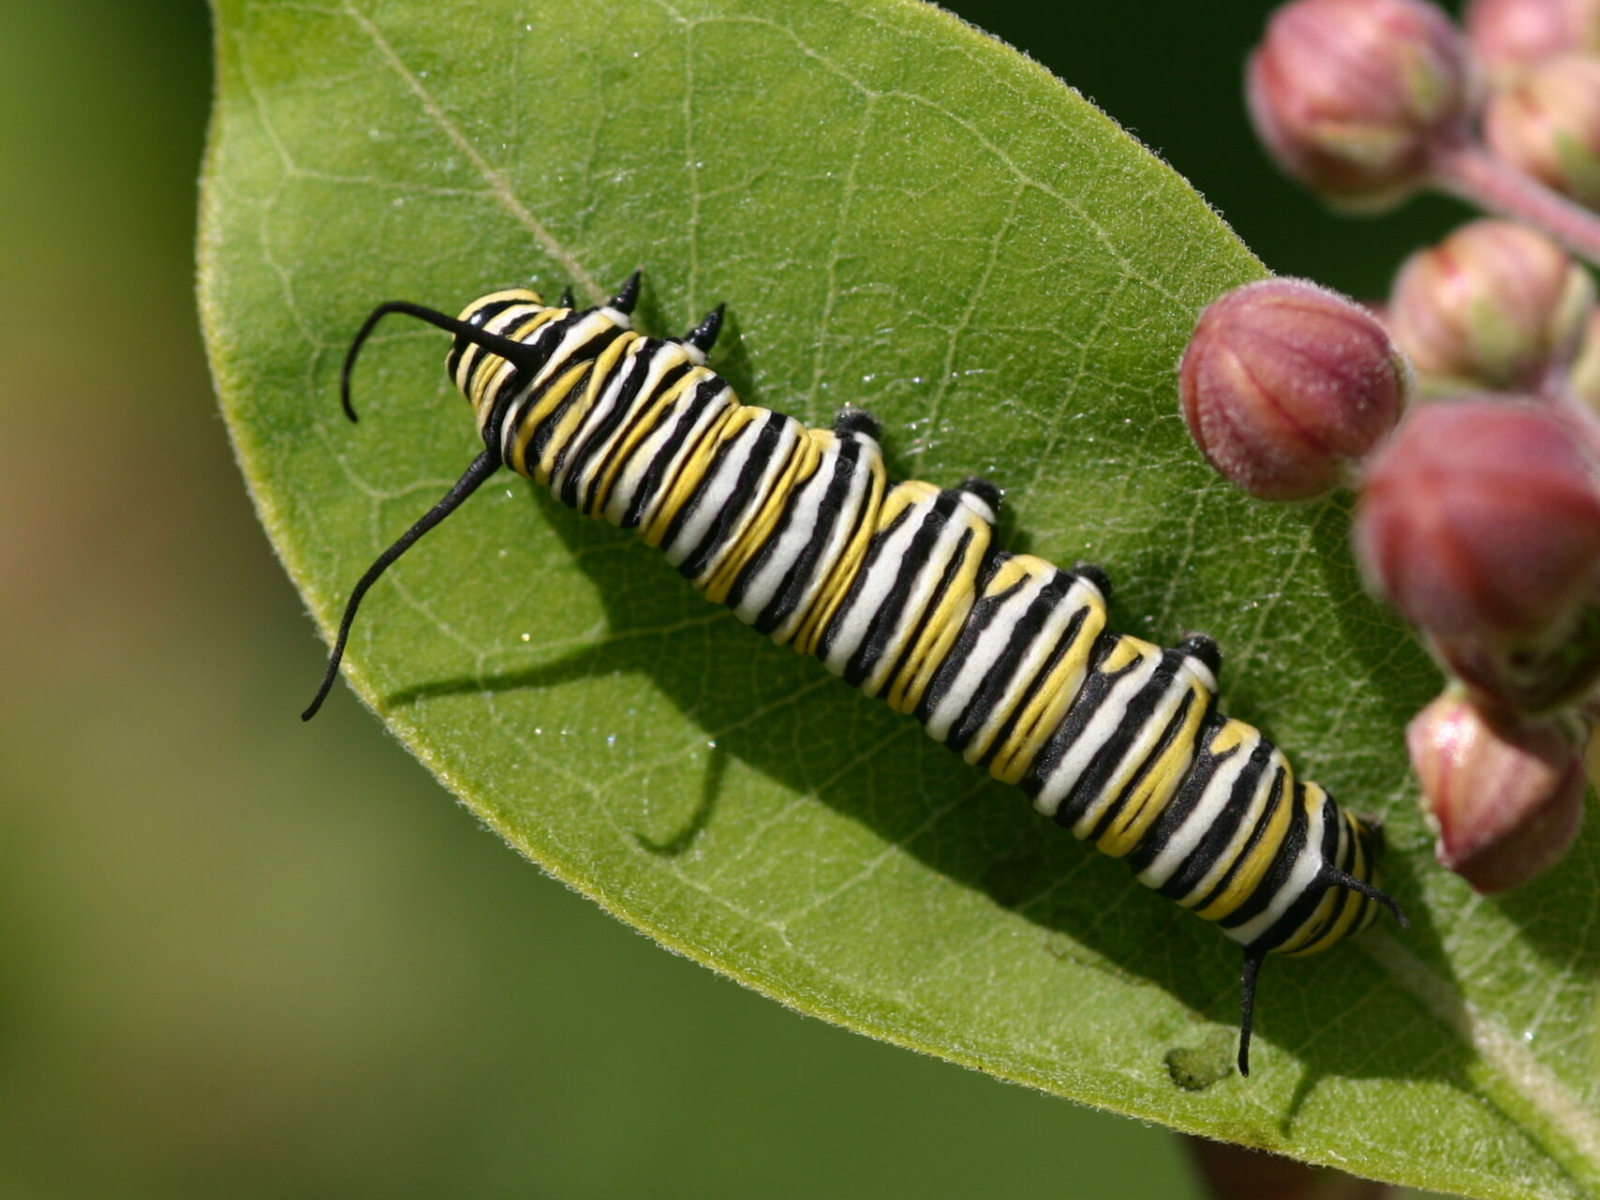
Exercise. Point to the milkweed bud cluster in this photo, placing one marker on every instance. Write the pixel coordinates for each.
(1368, 101)
(1465, 410)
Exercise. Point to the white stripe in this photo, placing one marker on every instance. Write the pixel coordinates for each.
(1155, 726)
(1252, 817)
(789, 434)
(632, 476)
(981, 661)
(1206, 810)
(854, 618)
(925, 588)
(1307, 866)
(851, 514)
(805, 510)
(1101, 728)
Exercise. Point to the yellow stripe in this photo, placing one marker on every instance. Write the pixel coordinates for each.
(528, 422)
(804, 459)
(572, 420)
(723, 429)
(1255, 865)
(940, 630)
(1352, 918)
(1014, 571)
(837, 585)
(638, 430)
(1051, 700)
(1154, 792)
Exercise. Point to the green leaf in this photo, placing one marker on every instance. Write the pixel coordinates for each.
(905, 215)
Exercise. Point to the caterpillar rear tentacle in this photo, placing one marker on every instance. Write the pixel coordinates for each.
(1003, 657)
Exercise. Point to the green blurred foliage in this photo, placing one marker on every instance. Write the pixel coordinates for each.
(221, 972)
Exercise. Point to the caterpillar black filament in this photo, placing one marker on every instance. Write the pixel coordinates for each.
(1002, 657)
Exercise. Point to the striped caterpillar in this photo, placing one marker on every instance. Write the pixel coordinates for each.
(1002, 657)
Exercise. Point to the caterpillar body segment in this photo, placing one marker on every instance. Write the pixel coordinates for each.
(1007, 659)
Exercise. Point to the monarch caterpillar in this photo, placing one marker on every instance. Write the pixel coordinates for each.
(1003, 657)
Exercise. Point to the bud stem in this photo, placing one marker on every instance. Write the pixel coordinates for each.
(1464, 168)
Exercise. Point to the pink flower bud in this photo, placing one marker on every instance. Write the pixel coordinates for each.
(1548, 126)
(1350, 95)
(1510, 36)
(1504, 795)
(1284, 382)
(1495, 305)
(1480, 518)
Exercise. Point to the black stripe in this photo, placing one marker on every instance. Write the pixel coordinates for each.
(946, 579)
(1090, 697)
(1277, 875)
(1190, 790)
(1109, 754)
(997, 677)
(792, 590)
(479, 317)
(874, 549)
(1163, 744)
(1305, 904)
(1222, 830)
(745, 490)
(1063, 646)
(918, 558)
(545, 429)
(517, 379)
(651, 483)
(1275, 798)
(621, 409)
(769, 544)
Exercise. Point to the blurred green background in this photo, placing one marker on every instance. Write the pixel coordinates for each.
(242, 957)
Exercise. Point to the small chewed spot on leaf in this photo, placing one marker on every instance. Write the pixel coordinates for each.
(1195, 1068)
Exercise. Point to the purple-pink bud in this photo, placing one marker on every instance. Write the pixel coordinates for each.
(1285, 382)
(1548, 126)
(1351, 95)
(1509, 36)
(1495, 305)
(1533, 675)
(1480, 518)
(1504, 795)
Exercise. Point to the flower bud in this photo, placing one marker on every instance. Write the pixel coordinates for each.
(1350, 95)
(1548, 126)
(1584, 378)
(1284, 382)
(1504, 795)
(1480, 519)
(1495, 305)
(1509, 36)
(1556, 669)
